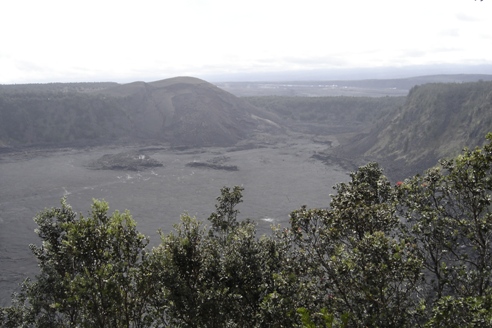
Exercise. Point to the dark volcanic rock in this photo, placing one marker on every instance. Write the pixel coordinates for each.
(213, 166)
(129, 161)
(216, 163)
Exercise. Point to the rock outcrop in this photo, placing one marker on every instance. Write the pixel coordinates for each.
(127, 161)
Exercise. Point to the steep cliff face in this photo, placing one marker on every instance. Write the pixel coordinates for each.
(183, 111)
(57, 117)
(437, 121)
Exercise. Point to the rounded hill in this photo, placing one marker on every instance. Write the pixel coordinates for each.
(188, 111)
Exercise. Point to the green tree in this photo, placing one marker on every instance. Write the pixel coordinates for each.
(224, 219)
(448, 215)
(362, 269)
(217, 276)
(92, 272)
(469, 312)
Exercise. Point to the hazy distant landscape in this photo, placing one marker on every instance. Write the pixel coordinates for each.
(287, 143)
(369, 87)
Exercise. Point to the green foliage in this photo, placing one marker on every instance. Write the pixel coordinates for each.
(361, 266)
(221, 277)
(462, 312)
(92, 272)
(224, 219)
(448, 211)
(329, 320)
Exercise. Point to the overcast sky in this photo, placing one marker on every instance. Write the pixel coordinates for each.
(123, 41)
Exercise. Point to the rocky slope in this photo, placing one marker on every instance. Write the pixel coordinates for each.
(184, 111)
(188, 112)
(436, 121)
